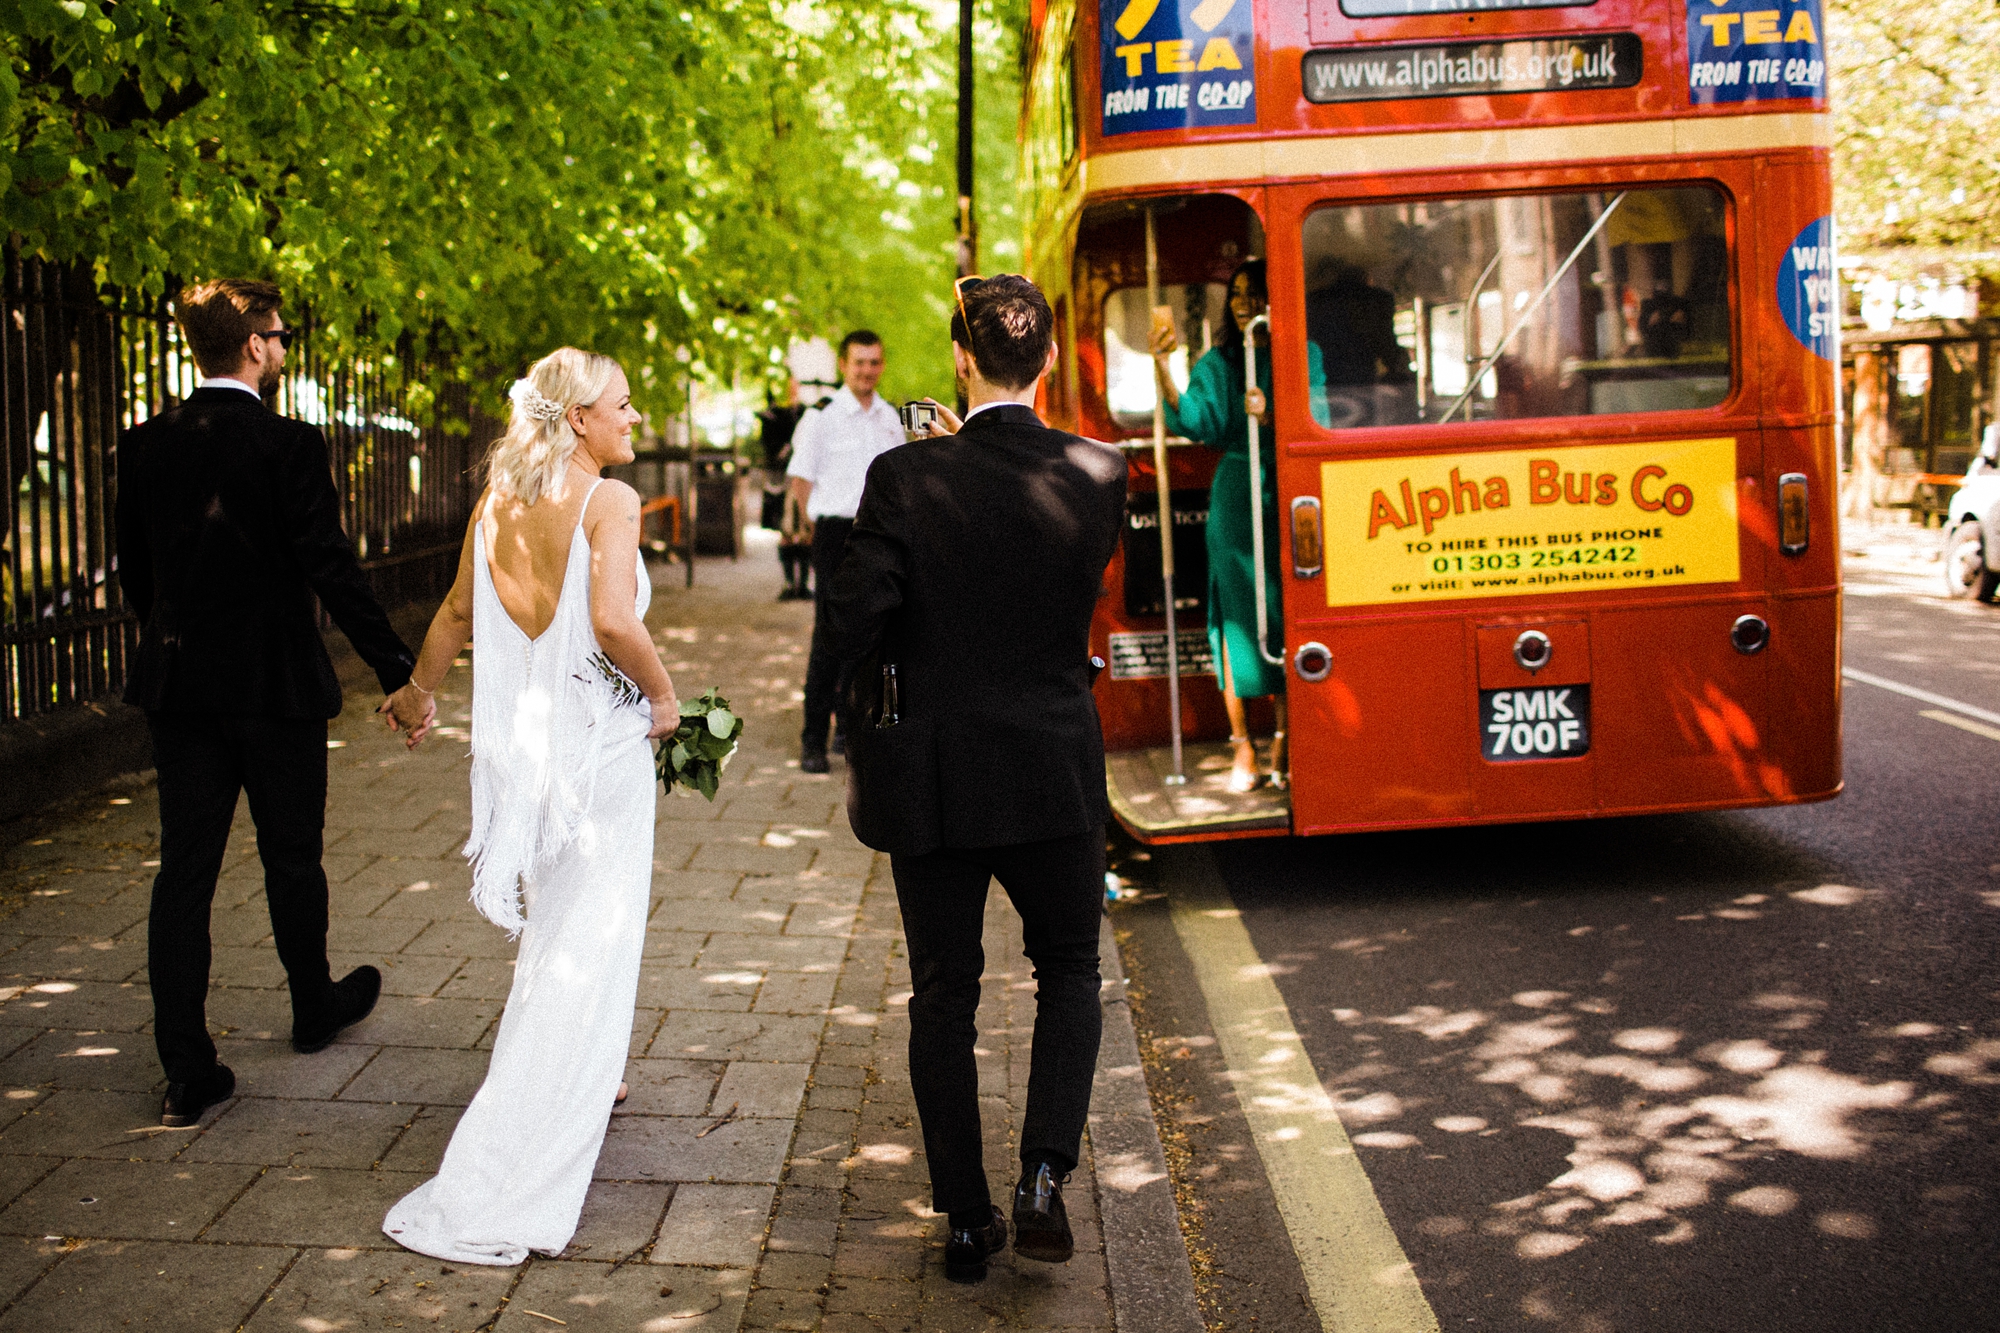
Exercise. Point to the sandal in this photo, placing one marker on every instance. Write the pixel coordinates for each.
(623, 1092)
(1243, 780)
(1280, 774)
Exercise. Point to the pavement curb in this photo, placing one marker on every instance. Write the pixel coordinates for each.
(1152, 1283)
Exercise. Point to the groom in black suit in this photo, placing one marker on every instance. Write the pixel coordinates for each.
(973, 568)
(228, 528)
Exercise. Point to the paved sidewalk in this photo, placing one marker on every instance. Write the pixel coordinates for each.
(766, 1173)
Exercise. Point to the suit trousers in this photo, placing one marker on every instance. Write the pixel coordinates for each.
(203, 761)
(822, 671)
(1058, 888)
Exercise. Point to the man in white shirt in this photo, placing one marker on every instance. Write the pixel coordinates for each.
(831, 451)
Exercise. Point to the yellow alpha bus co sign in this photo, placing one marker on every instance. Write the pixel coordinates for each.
(1578, 519)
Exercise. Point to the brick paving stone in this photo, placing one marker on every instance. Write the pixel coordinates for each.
(96, 1061)
(312, 1207)
(23, 1260)
(772, 1014)
(405, 1074)
(118, 1125)
(592, 1296)
(299, 1134)
(141, 1284)
(269, 1067)
(670, 1087)
(127, 1200)
(646, 1147)
(620, 1218)
(350, 1290)
(715, 1224)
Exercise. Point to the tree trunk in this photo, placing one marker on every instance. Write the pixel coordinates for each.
(1871, 436)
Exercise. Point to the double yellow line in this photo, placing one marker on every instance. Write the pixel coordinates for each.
(1356, 1272)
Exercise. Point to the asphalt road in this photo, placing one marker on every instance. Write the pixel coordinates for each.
(1704, 1072)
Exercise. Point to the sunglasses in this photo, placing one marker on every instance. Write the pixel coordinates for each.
(284, 336)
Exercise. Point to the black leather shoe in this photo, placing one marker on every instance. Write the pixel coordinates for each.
(966, 1249)
(185, 1102)
(1041, 1224)
(354, 997)
(813, 761)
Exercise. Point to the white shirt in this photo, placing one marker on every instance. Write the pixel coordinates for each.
(224, 382)
(834, 445)
(998, 402)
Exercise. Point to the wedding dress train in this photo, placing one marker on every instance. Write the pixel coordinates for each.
(563, 805)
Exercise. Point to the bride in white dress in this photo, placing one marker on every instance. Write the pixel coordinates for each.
(550, 585)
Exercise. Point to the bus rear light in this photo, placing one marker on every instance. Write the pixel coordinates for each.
(1308, 550)
(1749, 635)
(1794, 520)
(1313, 662)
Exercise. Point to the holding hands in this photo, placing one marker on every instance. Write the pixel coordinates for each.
(413, 709)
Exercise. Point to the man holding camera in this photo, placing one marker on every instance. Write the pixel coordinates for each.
(971, 573)
(831, 450)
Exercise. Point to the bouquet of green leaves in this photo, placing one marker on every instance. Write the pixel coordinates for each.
(699, 749)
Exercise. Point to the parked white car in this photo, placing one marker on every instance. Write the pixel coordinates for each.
(1972, 526)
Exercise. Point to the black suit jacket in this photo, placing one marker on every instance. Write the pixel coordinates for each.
(974, 565)
(228, 525)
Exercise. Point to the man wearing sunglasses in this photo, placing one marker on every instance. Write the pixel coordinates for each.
(975, 561)
(228, 530)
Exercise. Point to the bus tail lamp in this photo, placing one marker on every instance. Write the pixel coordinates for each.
(1308, 550)
(1794, 522)
(1749, 635)
(1533, 650)
(1313, 662)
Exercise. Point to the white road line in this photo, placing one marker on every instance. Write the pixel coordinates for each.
(1963, 724)
(1912, 692)
(1355, 1269)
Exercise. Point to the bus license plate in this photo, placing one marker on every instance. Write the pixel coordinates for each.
(1548, 722)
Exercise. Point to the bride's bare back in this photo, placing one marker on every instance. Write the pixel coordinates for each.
(529, 545)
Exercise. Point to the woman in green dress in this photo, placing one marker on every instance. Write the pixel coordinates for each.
(1215, 409)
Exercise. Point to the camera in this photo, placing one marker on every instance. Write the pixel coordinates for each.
(918, 418)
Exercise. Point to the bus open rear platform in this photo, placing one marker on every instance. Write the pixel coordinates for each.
(1154, 811)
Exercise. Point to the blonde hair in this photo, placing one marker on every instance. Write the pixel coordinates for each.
(532, 458)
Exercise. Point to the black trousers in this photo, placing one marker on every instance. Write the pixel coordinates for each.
(1058, 888)
(822, 672)
(203, 762)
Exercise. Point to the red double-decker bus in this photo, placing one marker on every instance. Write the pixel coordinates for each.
(1552, 321)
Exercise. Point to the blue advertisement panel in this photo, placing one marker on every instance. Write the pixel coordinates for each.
(1178, 64)
(1755, 51)
(1809, 291)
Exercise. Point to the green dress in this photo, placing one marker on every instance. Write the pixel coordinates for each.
(1211, 411)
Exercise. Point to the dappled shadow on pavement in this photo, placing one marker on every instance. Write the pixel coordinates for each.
(1654, 1073)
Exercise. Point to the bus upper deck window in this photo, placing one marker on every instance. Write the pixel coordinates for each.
(1527, 306)
(1375, 9)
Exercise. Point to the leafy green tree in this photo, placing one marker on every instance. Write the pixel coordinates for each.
(1916, 98)
(682, 185)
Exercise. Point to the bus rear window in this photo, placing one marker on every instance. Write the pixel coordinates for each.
(1201, 313)
(1525, 306)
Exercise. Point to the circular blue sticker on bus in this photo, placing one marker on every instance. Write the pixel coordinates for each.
(1808, 289)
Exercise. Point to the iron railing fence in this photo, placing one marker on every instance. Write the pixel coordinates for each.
(77, 366)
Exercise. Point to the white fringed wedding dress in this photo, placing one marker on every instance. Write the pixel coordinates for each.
(562, 806)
